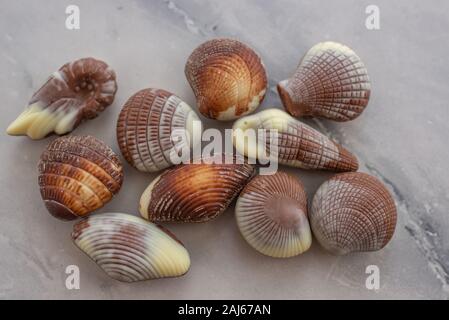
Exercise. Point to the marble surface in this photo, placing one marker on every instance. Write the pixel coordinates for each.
(401, 138)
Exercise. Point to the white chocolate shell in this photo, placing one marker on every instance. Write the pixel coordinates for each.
(298, 145)
(79, 90)
(353, 212)
(330, 82)
(227, 77)
(77, 175)
(193, 192)
(148, 124)
(129, 248)
(271, 214)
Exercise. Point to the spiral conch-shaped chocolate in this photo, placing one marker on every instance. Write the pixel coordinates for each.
(193, 192)
(129, 248)
(79, 90)
(330, 82)
(227, 77)
(297, 144)
(271, 214)
(77, 175)
(152, 125)
(353, 212)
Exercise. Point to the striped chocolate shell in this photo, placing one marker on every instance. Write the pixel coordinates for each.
(271, 214)
(79, 90)
(149, 126)
(295, 144)
(353, 212)
(129, 248)
(193, 192)
(227, 77)
(77, 175)
(330, 82)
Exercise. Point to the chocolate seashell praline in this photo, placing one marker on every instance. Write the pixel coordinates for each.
(227, 77)
(271, 214)
(194, 192)
(79, 90)
(353, 212)
(149, 126)
(78, 175)
(130, 249)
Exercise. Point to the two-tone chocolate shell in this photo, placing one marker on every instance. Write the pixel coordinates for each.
(227, 77)
(271, 214)
(129, 248)
(77, 175)
(153, 126)
(353, 212)
(330, 82)
(193, 192)
(79, 90)
(294, 143)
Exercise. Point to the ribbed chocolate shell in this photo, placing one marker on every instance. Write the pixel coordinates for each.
(79, 90)
(353, 212)
(227, 77)
(145, 127)
(330, 82)
(77, 175)
(193, 192)
(271, 214)
(129, 248)
(299, 145)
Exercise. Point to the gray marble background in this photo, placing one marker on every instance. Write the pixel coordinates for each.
(402, 138)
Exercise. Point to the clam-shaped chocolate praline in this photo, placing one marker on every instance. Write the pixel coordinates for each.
(152, 125)
(129, 248)
(193, 192)
(227, 77)
(77, 175)
(79, 90)
(290, 142)
(330, 82)
(271, 214)
(353, 212)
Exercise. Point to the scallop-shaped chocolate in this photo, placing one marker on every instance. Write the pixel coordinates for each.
(193, 192)
(79, 90)
(129, 248)
(227, 77)
(330, 82)
(77, 175)
(353, 212)
(271, 214)
(153, 125)
(290, 142)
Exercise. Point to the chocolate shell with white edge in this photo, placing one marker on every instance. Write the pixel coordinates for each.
(79, 90)
(194, 192)
(129, 248)
(271, 213)
(227, 77)
(290, 142)
(353, 212)
(78, 175)
(330, 82)
(155, 125)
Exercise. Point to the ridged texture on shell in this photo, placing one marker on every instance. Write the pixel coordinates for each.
(271, 214)
(79, 90)
(299, 145)
(227, 77)
(193, 192)
(129, 248)
(145, 127)
(353, 212)
(77, 175)
(330, 82)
